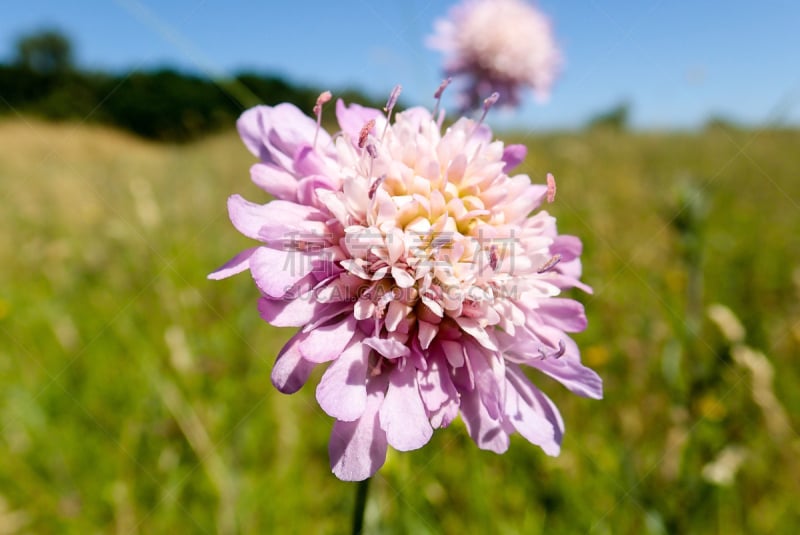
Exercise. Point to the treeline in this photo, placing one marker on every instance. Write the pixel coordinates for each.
(163, 104)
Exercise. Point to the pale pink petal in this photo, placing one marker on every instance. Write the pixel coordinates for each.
(290, 312)
(388, 347)
(308, 161)
(277, 182)
(565, 314)
(487, 432)
(513, 156)
(277, 220)
(526, 413)
(572, 374)
(275, 134)
(402, 414)
(237, 264)
(352, 118)
(395, 313)
(427, 332)
(473, 328)
(444, 415)
(563, 281)
(291, 370)
(402, 277)
(358, 449)
(327, 342)
(523, 197)
(293, 128)
(435, 385)
(308, 186)
(342, 391)
(487, 383)
(251, 130)
(568, 247)
(454, 352)
(276, 272)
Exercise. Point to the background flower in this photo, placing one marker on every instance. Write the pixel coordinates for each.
(408, 258)
(498, 45)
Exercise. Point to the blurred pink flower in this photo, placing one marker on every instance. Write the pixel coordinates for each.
(407, 257)
(498, 45)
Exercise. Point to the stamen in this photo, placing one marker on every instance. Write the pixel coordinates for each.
(373, 189)
(373, 153)
(392, 100)
(487, 104)
(550, 264)
(551, 188)
(372, 193)
(323, 97)
(364, 134)
(438, 94)
(390, 104)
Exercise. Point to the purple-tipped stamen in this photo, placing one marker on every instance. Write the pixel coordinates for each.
(550, 264)
(364, 134)
(323, 97)
(373, 189)
(551, 188)
(390, 104)
(487, 104)
(438, 94)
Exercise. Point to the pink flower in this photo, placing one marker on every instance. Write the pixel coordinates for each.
(407, 257)
(498, 45)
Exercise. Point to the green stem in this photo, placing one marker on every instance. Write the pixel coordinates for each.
(361, 503)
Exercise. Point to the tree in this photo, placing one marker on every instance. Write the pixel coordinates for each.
(45, 52)
(616, 118)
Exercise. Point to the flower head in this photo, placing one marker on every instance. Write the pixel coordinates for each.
(498, 45)
(407, 257)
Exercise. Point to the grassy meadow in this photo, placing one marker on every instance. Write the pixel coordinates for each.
(135, 395)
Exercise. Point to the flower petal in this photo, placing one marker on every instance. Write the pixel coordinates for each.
(435, 385)
(357, 449)
(388, 347)
(487, 380)
(533, 420)
(352, 118)
(487, 432)
(291, 370)
(275, 220)
(237, 264)
(276, 272)
(474, 329)
(251, 129)
(402, 414)
(290, 312)
(342, 390)
(513, 156)
(328, 342)
(275, 181)
(565, 314)
(427, 332)
(572, 374)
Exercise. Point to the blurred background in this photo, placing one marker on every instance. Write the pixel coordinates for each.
(135, 395)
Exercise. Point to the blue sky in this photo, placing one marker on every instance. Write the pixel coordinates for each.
(675, 62)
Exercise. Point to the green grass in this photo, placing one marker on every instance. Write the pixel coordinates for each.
(135, 395)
